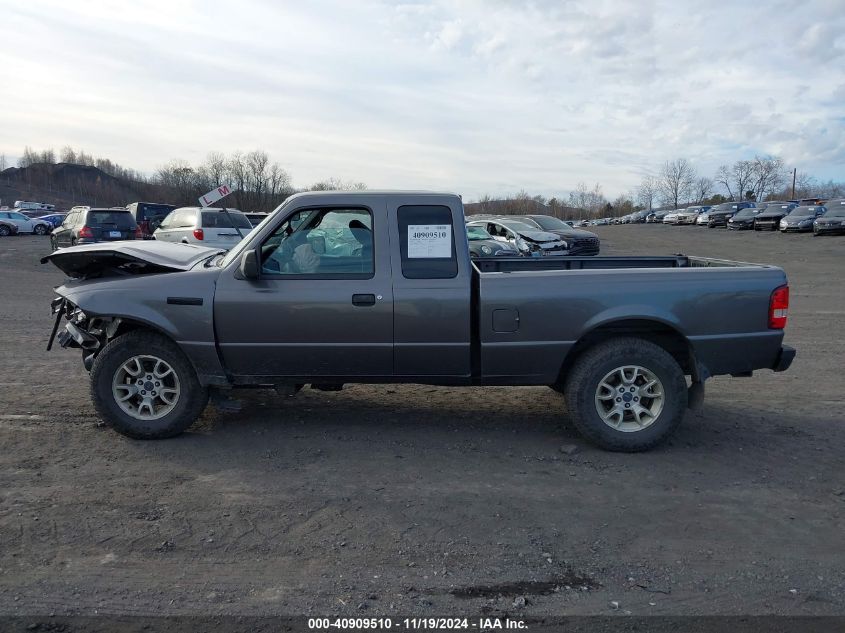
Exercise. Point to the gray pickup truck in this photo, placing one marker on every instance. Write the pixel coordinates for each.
(378, 287)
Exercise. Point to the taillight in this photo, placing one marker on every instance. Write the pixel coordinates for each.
(198, 234)
(778, 308)
(86, 231)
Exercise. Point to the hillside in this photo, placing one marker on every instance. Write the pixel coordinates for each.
(66, 185)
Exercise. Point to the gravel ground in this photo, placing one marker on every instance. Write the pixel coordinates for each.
(431, 501)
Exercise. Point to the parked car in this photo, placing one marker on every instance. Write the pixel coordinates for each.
(671, 218)
(744, 219)
(256, 218)
(689, 216)
(26, 224)
(207, 226)
(833, 221)
(801, 219)
(769, 219)
(482, 244)
(720, 214)
(55, 219)
(148, 216)
(27, 205)
(580, 242)
(703, 218)
(657, 216)
(8, 228)
(528, 239)
(617, 335)
(89, 225)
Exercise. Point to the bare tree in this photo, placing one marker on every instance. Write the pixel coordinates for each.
(804, 185)
(676, 181)
(828, 190)
(737, 178)
(237, 174)
(591, 201)
(215, 168)
(702, 189)
(67, 155)
(647, 192)
(768, 175)
(180, 178)
(29, 157)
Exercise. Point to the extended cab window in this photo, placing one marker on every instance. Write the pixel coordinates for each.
(427, 242)
(321, 243)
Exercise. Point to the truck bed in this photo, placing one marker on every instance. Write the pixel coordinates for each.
(514, 264)
(532, 311)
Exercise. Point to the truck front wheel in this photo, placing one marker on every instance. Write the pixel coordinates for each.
(145, 388)
(626, 394)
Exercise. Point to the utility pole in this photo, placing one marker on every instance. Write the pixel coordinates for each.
(794, 172)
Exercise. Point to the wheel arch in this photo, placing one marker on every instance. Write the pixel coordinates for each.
(654, 330)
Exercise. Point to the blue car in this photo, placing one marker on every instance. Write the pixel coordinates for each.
(54, 219)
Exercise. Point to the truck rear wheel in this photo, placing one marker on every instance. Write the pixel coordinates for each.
(626, 394)
(145, 388)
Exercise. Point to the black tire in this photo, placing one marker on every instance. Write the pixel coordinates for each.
(189, 405)
(39, 229)
(594, 364)
(5, 231)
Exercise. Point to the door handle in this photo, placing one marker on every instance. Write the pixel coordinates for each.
(363, 300)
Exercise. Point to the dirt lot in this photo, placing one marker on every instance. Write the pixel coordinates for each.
(430, 501)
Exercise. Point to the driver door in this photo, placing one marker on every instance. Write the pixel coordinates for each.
(323, 304)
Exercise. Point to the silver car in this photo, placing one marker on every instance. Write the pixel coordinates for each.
(26, 224)
(690, 214)
(206, 226)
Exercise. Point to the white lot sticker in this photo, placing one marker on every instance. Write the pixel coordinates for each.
(429, 241)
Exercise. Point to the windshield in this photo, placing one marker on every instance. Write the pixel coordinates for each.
(747, 213)
(803, 211)
(477, 233)
(240, 246)
(549, 223)
(516, 225)
(838, 212)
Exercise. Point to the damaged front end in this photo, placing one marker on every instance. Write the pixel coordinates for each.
(90, 334)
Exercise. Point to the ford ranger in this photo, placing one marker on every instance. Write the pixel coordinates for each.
(379, 287)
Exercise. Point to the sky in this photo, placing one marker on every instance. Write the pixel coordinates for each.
(467, 96)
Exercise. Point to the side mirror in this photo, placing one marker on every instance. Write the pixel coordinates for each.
(249, 264)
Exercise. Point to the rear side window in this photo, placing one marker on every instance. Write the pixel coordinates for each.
(120, 219)
(183, 218)
(427, 242)
(219, 220)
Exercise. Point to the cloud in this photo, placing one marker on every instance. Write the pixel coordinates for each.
(466, 95)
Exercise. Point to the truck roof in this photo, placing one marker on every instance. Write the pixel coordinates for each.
(371, 192)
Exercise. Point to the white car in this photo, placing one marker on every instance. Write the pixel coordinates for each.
(25, 224)
(206, 226)
(703, 219)
(671, 218)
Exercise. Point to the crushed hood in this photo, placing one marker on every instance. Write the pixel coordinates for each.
(127, 258)
(539, 236)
